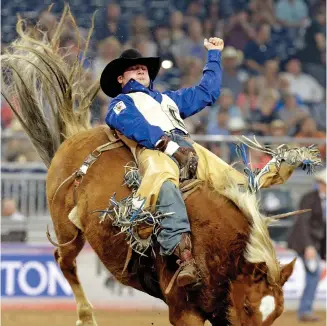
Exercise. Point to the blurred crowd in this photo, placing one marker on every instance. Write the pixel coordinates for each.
(274, 62)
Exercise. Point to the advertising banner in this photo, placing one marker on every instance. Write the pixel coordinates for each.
(29, 274)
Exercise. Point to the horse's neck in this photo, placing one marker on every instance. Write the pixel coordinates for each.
(219, 230)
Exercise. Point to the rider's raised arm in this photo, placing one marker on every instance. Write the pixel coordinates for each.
(125, 117)
(193, 99)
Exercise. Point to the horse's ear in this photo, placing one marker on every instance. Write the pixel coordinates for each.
(287, 271)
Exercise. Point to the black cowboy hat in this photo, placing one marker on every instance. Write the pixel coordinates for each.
(115, 68)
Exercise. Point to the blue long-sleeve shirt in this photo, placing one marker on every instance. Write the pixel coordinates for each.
(130, 121)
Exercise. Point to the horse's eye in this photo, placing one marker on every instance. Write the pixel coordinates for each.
(258, 278)
(247, 308)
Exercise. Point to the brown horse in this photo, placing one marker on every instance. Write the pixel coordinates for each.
(242, 278)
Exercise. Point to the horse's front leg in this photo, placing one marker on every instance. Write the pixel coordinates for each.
(187, 317)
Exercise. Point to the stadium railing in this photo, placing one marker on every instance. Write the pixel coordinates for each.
(26, 182)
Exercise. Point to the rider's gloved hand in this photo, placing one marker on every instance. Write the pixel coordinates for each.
(185, 156)
(188, 162)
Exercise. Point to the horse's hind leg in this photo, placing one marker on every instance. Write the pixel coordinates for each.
(66, 258)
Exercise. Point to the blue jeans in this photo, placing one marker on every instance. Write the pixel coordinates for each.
(309, 292)
(170, 200)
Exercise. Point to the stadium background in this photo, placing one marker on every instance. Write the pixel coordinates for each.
(270, 98)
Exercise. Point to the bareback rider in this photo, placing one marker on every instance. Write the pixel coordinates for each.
(154, 120)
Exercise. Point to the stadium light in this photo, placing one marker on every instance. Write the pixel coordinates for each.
(166, 64)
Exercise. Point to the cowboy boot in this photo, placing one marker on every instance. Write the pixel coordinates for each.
(188, 274)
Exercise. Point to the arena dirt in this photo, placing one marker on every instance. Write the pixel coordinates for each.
(109, 318)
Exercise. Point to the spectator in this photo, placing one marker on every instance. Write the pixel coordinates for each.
(192, 72)
(195, 9)
(211, 27)
(263, 12)
(236, 126)
(269, 79)
(284, 43)
(139, 26)
(315, 5)
(318, 112)
(291, 113)
(192, 75)
(71, 48)
(108, 49)
(30, 24)
(238, 31)
(302, 84)
(226, 102)
(70, 25)
(218, 126)
(162, 38)
(110, 23)
(176, 22)
(143, 44)
(231, 60)
(313, 56)
(19, 149)
(283, 89)
(48, 23)
(192, 45)
(308, 129)
(13, 223)
(262, 117)
(284, 85)
(248, 99)
(308, 238)
(278, 128)
(212, 24)
(140, 38)
(259, 50)
(6, 114)
(226, 7)
(292, 14)
(9, 210)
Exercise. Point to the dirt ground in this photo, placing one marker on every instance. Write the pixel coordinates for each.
(109, 318)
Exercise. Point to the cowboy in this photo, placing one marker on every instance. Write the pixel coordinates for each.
(155, 121)
(308, 238)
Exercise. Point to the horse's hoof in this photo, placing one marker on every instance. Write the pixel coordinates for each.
(86, 323)
(194, 287)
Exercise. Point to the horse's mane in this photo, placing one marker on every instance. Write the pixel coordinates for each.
(259, 248)
(47, 95)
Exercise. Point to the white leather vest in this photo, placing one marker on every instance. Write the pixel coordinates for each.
(165, 115)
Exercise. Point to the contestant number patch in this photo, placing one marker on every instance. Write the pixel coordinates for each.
(120, 106)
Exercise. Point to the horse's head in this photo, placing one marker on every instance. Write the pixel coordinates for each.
(256, 299)
(243, 278)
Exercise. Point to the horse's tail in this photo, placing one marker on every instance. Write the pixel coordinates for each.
(47, 95)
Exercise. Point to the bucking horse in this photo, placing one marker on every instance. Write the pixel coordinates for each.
(241, 275)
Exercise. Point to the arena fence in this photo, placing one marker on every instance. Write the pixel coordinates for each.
(26, 182)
